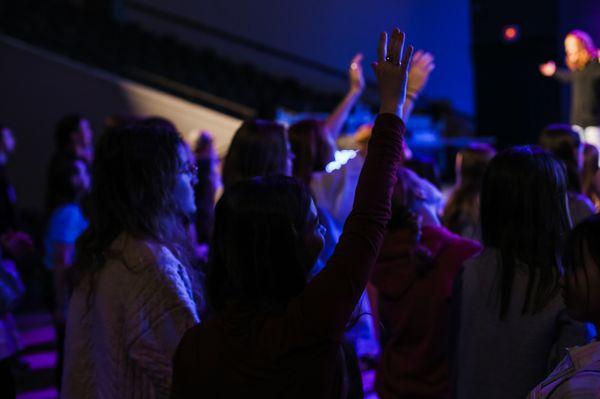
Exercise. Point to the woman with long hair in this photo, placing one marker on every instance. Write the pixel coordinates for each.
(577, 374)
(312, 142)
(273, 334)
(132, 300)
(564, 143)
(461, 213)
(512, 321)
(258, 148)
(590, 175)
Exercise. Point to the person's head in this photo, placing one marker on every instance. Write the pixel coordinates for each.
(463, 204)
(589, 173)
(7, 140)
(582, 271)
(267, 237)
(565, 144)
(312, 148)
(411, 195)
(258, 148)
(524, 216)
(206, 157)
(185, 181)
(579, 49)
(117, 120)
(471, 163)
(159, 122)
(72, 132)
(141, 186)
(70, 181)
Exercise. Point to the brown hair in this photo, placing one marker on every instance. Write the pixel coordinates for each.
(464, 199)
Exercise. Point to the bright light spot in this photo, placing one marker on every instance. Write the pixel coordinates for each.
(511, 33)
(341, 158)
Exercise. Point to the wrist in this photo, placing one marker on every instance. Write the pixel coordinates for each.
(355, 91)
(412, 93)
(391, 107)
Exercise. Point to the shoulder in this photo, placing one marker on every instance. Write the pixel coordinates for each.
(153, 268)
(450, 242)
(583, 383)
(139, 254)
(155, 281)
(480, 269)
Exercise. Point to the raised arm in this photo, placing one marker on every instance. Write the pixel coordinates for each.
(550, 70)
(325, 306)
(420, 69)
(336, 120)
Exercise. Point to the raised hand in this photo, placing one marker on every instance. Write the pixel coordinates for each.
(420, 69)
(391, 69)
(205, 149)
(355, 74)
(548, 69)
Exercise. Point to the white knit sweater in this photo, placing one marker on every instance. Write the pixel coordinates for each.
(121, 345)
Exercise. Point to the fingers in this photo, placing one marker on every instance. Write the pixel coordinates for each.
(357, 59)
(406, 60)
(382, 47)
(395, 47)
(427, 58)
(423, 60)
(393, 51)
(417, 56)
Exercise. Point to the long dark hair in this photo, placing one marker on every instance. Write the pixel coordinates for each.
(590, 171)
(524, 216)
(464, 199)
(584, 238)
(134, 175)
(258, 255)
(258, 148)
(565, 144)
(310, 147)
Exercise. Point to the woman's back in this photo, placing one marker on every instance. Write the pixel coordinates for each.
(120, 341)
(414, 306)
(242, 353)
(506, 358)
(296, 351)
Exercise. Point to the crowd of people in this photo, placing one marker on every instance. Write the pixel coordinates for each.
(298, 276)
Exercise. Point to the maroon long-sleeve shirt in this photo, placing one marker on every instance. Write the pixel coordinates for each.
(414, 307)
(242, 353)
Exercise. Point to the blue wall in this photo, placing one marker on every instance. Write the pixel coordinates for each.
(331, 31)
